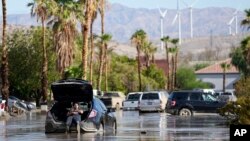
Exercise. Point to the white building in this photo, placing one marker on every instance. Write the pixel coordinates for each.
(213, 74)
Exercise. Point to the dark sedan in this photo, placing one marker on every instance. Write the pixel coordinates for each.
(96, 117)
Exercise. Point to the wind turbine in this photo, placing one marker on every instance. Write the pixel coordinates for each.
(230, 25)
(233, 19)
(191, 15)
(178, 15)
(163, 14)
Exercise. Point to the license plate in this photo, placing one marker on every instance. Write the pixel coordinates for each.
(149, 103)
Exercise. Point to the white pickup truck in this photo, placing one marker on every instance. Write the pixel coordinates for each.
(132, 101)
(113, 99)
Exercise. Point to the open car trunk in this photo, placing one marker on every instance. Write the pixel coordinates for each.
(73, 90)
(68, 91)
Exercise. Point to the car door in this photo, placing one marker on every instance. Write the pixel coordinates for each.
(211, 104)
(196, 101)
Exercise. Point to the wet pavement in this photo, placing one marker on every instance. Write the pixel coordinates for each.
(130, 126)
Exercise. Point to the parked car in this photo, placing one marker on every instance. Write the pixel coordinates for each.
(153, 101)
(185, 103)
(227, 96)
(113, 99)
(96, 116)
(132, 100)
(14, 101)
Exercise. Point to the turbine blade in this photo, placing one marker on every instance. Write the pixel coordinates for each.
(175, 18)
(230, 22)
(164, 13)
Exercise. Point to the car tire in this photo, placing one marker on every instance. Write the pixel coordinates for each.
(185, 112)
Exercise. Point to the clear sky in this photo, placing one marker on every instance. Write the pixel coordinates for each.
(20, 6)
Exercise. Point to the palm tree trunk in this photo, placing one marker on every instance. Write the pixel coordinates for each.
(224, 80)
(85, 32)
(172, 72)
(175, 67)
(167, 60)
(91, 52)
(44, 67)
(4, 65)
(139, 67)
(99, 79)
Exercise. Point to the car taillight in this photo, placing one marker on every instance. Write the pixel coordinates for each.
(92, 113)
(173, 102)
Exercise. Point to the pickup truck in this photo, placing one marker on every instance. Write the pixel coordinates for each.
(113, 99)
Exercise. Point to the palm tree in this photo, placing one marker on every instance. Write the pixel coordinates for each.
(175, 42)
(225, 67)
(149, 50)
(92, 37)
(107, 64)
(172, 51)
(64, 28)
(138, 38)
(40, 9)
(246, 21)
(4, 65)
(105, 38)
(166, 39)
(90, 7)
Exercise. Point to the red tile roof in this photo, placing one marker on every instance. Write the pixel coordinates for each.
(216, 68)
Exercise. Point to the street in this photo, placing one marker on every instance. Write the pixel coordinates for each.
(130, 126)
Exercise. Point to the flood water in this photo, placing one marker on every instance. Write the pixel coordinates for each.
(130, 126)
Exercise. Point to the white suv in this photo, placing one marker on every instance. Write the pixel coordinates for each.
(153, 101)
(132, 100)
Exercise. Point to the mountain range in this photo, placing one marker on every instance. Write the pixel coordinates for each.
(121, 22)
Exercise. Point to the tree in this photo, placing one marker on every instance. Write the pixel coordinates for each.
(104, 39)
(246, 21)
(175, 42)
(90, 7)
(4, 65)
(225, 67)
(149, 50)
(166, 39)
(40, 9)
(138, 38)
(25, 59)
(64, 28)
(172, 51)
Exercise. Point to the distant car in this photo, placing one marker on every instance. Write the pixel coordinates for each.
(96, 116)
(132, 100)
(113, 99)
(185, 103)
(227, 96)
(153, 101)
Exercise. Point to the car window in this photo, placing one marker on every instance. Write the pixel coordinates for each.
(180, 95)
(226, 93)
(111, 94)
(134, 96)
(208, 97)
(195, 96)
(150, 96)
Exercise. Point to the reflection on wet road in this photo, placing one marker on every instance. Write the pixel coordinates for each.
(130, 126)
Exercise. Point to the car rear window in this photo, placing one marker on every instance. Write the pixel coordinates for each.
(111, 94)
(179, 95)
(150, 96)
(134, 96)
